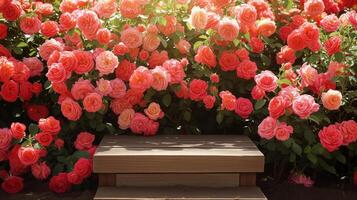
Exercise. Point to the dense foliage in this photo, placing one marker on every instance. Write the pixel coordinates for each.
(282, 72)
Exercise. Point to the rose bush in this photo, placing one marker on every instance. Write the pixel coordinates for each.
(71, 71)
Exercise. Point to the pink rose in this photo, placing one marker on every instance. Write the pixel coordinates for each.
(161, 78)
(105, 9)
(244, 107)
(57, 73)
(228, 29)
(314, 7)
(246, 14)
(333, 45)
(88, 22)
(266, 128)
(197, 89)
(183, 46)
(30, 25)
(48, 47)
(69, 60)
(331, 138)
(18, 130)
(28, 155)
(266, 80)
(118, 88)
(106, 62)
(308, 74)
(289, 94)
(125, 117)
(266, 27)
(81, 88)
(103, 87)
(139, 123)
(151, 42)
(209, 101)
(34, 64)
(304, 106)
(198, 18)
(330, 23)
(131, 37)
(282, 131)
(175, 69)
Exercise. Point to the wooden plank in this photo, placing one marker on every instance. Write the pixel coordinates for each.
(106, 179)
(198, 180)
(177, 164)
(247, 179)
(183, 141)
(176, 193)
(163, 154)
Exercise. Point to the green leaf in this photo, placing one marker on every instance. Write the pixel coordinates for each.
(318, 149)
(163, 41)
(315, 119)
(288, 4)
(166, 100)
(259, 104)
(312, 158)
(292, 158)
(197, 45)
(22, 44)
(327, 167)
(187, 116)
(162, 21)
(47, 85)
(309, 136)
(341, 158)
(296, 148)
(57, 169)
(81, 154)
(284, 81)
(62, 159)
(288, 143)
(17, 50)
(339, 56)
(33, 129)
(219, 117)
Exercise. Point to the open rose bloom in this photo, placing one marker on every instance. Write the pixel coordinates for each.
(75, 70)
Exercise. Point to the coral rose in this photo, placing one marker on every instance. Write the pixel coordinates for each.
(209, 101)
(197, 89)
(331, 138)
(139, 123)
(30, 25)
(93, 102)
(333, 45)
(45, 139)
(9, 91)
(49, 28)
(153, 111)
(57, 73)
(175, 69)
(228, 100)
(314, 7)
(257, 93)
(5, 138)
(308, 74)
(206, 56)
(50, 125)
(246, 69)
(74, 178)
(283, 131)
(34, 64)
(103, 36)
(161, 78)
(296, 40)
(330, 23)
(276, 107)
(228, 61)
(141, 79)
(124, 70)
(244, 107)
(104, 87)
(71, 109)
(183, 46)
(84, 141)
(118, 88)
(246, 14)
(348, 130)
(81, 88)
(151, 42)
(48, 47)
(130, 8)
(85, 61)
(83, 167)
(28, 155)
(18, 130)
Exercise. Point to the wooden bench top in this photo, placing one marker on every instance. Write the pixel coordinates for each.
(177, 154)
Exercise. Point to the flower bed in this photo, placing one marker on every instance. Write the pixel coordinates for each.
(70, 71)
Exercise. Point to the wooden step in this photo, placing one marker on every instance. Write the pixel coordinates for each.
(175, 193)
(178, 154)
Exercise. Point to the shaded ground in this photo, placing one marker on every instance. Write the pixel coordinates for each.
(281, 191)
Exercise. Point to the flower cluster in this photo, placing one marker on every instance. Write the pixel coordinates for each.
(76, 67)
